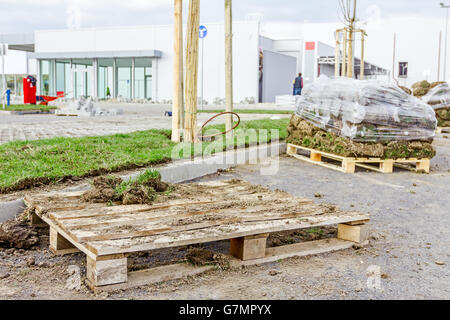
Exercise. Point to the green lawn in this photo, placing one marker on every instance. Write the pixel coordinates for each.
(246, 111)
(30, 163)
(27, 107)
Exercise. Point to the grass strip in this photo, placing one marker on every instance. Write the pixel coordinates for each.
(25, 164)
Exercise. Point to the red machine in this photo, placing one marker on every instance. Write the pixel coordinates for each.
(29, 90)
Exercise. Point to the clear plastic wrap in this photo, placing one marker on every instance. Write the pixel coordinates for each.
(366, 110)
(438, 97)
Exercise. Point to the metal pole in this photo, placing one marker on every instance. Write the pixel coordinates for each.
(3, 49)
(446, 40)
(393, 56)
(439, 57)
(203, 64)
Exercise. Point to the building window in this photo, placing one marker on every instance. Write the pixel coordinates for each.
(143, 78)
(83, 77)
(63, 77)
(46, 77)
(123, 67)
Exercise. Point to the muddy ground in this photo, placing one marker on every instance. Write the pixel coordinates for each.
(408, 256)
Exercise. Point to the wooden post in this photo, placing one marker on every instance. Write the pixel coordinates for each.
(229, 63)
(361, 76)
(350, 53)
(177, 70)
(337, 56)
(193, 26)
(344, 54)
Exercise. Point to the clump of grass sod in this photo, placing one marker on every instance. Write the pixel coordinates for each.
(27, 107)
(143, 189)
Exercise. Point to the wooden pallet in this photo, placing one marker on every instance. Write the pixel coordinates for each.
(443, 130)
(108, 234)
(349, 164)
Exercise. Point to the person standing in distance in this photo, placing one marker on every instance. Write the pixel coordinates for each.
(298, 85)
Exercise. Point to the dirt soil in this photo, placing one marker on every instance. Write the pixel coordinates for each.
(17, 234)
(203, 257)
(302, 133)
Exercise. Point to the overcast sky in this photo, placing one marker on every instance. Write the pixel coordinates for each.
(30, 15)
(417, 23)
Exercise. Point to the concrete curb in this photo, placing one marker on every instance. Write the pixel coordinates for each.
(26, 112)
(180, 171)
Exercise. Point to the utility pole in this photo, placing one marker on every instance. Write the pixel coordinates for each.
(177, 107)
(446, 39)
(229, 63)
(3, 51)
(192, 44)
(439, 57)
(393, 56)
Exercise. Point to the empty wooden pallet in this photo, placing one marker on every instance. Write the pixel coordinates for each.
(244, 214)
(349, 164)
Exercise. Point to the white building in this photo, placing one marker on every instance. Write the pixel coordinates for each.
(136, 62)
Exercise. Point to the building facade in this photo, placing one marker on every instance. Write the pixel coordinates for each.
(136, 63)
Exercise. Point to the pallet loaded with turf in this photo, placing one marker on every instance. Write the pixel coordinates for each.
(365, 121)
(439, 99)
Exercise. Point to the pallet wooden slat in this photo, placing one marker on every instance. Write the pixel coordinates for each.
(137, 244)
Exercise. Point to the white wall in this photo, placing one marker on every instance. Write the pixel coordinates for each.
(279, 74)
(16, 63)
(417, 41)
(291, 47)
(245, 53)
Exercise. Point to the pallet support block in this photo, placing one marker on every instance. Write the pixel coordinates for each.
(59, 245)
(36, 221)
(354, 233)
(348, 166)
(387, 166)
(249, 248)
(423, 165)
(106, 271)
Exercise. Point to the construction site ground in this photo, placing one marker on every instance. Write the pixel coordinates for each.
(408, 256)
